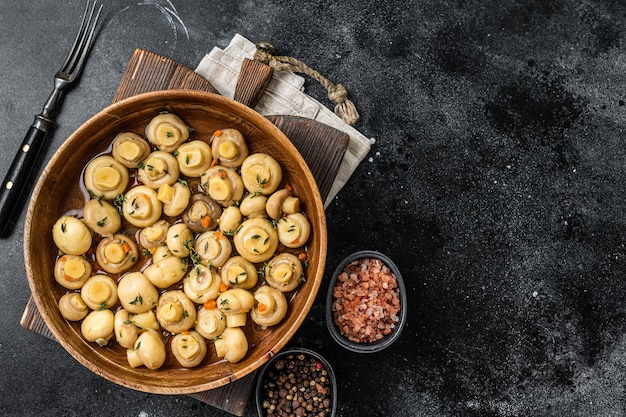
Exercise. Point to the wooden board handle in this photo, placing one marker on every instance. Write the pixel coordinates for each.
(253, 80)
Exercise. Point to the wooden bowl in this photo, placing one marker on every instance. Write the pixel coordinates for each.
(59, 191)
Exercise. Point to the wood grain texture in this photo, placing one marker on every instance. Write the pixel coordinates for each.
(146, 72)
(252, 82)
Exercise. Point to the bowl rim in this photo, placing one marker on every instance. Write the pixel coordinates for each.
(296, 350)
(330, 322)
(251, 116)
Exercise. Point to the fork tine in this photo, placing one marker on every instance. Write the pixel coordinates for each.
(74, 62)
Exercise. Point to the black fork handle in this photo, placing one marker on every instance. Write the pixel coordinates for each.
(17, 178)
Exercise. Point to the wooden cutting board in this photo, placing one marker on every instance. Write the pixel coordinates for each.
(321, 146)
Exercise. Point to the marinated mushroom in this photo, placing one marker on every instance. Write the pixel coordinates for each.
(100, 291)
(231, 345)
(71, 235)
(230, 220)
(293, 230)
(155, 235)
(97, 326)
(223, 185)
(157, 169)
(175, 198)
(167, 132)
(256, 240)
(189, 349)
(284, 272)
(105, 177)
(281, 202)
(136, 293)
(117, 253)
(142, 207)
(167, 271)
(253, 205)
(160, 253)
(210, 322)
(101, 217)
(202, 213)
(129, 149)
(213, 248)
(72, 271)
(235, 304)
(201, 284)
(229, 147)
(239, 273)
(261, 173)
(149, 351)
(179, 240)
(194, 158)
(270, 306)
(125, 331)
(175, 312)
(72, 307)
(145, 321)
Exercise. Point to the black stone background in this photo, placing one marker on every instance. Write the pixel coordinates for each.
(496, 183)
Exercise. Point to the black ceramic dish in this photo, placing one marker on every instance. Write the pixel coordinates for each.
(284, 355)
(330, 322)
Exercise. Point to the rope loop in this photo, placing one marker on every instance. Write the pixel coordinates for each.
(337, 93)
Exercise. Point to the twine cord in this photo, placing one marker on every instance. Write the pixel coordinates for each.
(337, 93)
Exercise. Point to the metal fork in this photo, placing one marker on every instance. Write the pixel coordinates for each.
(22, 166)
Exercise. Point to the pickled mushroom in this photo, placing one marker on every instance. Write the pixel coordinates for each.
(154, 235)
(253, 205)
(175, 198)
(270, 306)
(235, 303)
(194, 158)
(167, 132)
(229, 147)
(230, 220)
(97, 326)
(105, 177)
(293, 230)
(189, 349)
(71, 235)
(256, 240)
(72, 307)
(141, 206)
(213, 248)
(129, 149)
(223, 185)
(100, 291)
(72, 271)
(202, 284)
(175, 311)
(157, 169)
(202, 213)
(149, 350)
(102, 217)
(239, 273)
(125, 331)
(284, 272)
(210, 322)
(117, 253)
(261, 173)
(136, 293)
(231, 345)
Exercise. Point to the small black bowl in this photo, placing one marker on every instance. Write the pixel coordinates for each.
(295, 352)
(386, 341)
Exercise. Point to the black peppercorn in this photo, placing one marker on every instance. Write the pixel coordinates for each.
(300, 383)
